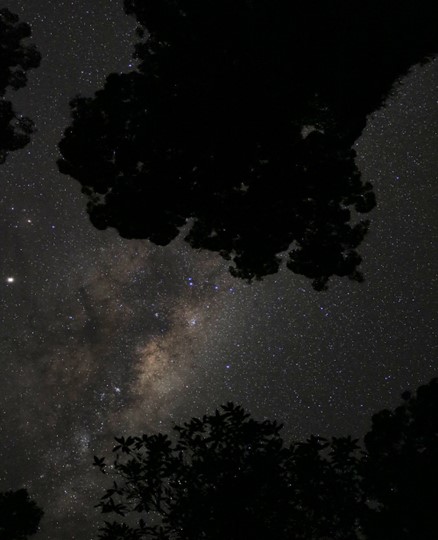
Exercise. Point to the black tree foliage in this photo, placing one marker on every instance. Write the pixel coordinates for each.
(401, 469)
(240, 121)
(16, 57)
(19, 515)
(228, 476)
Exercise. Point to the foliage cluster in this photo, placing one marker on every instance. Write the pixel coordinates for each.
(16, 58)
(19, 515)
(229, 476)
(240, 121)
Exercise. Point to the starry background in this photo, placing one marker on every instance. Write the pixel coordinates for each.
(101, 336)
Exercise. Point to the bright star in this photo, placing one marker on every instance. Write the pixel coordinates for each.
(10, 280)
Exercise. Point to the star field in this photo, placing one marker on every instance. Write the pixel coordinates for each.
(101, 336)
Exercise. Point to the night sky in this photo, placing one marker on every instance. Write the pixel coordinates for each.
(102, 336)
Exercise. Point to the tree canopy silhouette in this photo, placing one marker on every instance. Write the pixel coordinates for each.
(240, 121)
(19, 515)
(401, 468)
(16, 57)
(228, 476)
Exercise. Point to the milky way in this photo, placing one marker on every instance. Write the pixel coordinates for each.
(101, 336)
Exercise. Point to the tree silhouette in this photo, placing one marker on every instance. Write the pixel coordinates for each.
(240, 122)
(230, 476)
(16, 57)
(19, 515)
(401, 468)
